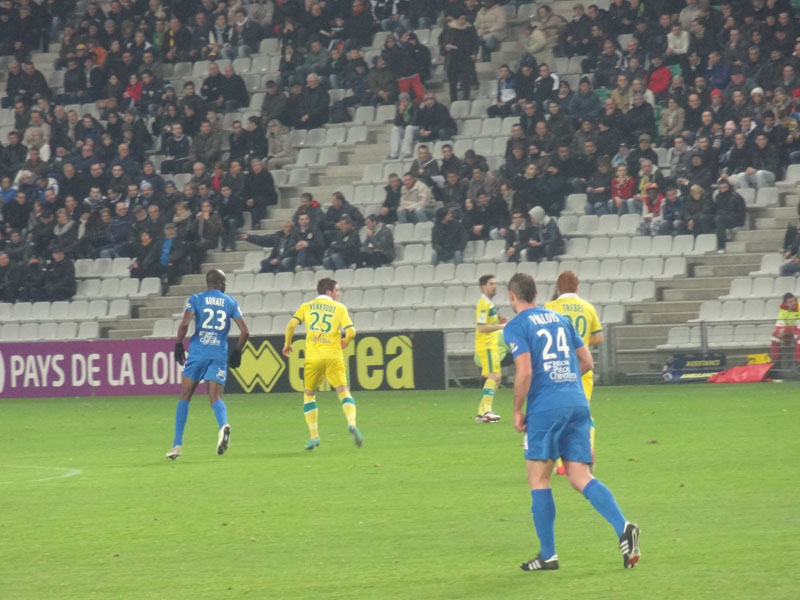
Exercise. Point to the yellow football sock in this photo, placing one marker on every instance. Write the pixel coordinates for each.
(487, 397)
(348, 407)
(310, 412)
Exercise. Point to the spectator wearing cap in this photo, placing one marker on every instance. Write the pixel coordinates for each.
(758, 105)
(643, 150)
(546, 241)
(434, 121)
(344, 248)
(274, 103)
(459, 45)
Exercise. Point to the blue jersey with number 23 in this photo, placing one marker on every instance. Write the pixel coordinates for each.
(551, 340)
(213, 313)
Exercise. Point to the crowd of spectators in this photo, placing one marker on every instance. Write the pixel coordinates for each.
(719, 88)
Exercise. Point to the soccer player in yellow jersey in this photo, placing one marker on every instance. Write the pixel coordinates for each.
(487, 324)
(587, 324)
(325, 320)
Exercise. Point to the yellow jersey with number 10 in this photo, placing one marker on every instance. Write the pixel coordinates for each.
(485, 314)
(325, 319)
(580, 312)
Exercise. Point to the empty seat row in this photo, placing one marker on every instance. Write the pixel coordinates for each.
(719, 336)
(640, 246)
(743, 288)
(333, 136)
(118, 288)
(770, 264)
(738, 310)
(64, 310)
(87, 268)
(67, 330)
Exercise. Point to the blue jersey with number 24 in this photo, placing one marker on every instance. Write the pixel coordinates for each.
(551, 340)
(213, 313)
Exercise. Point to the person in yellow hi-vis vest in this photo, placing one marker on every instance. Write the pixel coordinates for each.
(584, 318)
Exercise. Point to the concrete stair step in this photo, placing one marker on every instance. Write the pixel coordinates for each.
(339, 171)
(725, 270)
(127, 324)
(183, 291)
(695, 294)
(772, 244)
(174, 303)
(729, 258)
(151, 313)
(672, 306)
(700, 283)
(636, 331)
(758, 235)
(640, 343)
(735, 247)
(778, 212)
(667, 318)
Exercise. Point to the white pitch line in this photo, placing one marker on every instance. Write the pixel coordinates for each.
(67, 473)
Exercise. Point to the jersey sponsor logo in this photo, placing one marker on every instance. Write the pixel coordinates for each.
(559, 371)
(261, 367)
(221, 373)
(513, 346)
(209, 338)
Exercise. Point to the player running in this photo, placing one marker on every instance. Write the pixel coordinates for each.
(584, 318)
(325, 320)
(213, 312)
(549, 358)
(487, 323)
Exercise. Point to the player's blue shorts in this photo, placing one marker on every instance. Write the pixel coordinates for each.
(559, 433)
(206, 369)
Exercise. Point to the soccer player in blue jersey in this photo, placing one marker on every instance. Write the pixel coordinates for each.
(550, 357)
(212, 311)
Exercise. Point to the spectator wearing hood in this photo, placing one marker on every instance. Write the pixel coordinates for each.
(546, 240)
(449, 238)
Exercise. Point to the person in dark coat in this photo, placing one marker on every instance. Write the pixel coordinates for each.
(282, 244)
(518, 237)
(340, 207)
(230, 211)
(449, 238)
(232, 91)
(59, 277)
(730, 211)
(31, 83)
(11, 277)
(546, 240)
(434, 121)
(393, 189)
(698, 212)
(344, 248)
(312, 105)
(308, 245)
(207, 227)
(459, 44)
(260, 192)
(378, 247)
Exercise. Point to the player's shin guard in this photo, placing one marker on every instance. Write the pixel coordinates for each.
(487, 397)
(220, 412)
(181, 414)
(311, 413)
(543, 509)
(348, 407)
(604, 502)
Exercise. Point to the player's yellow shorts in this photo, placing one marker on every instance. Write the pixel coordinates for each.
(490, 361)
(588, 384)
(331, 368)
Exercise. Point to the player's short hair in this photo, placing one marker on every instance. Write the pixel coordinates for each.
(523, 287)
(567, 283)
(485, 279)
(214, 277)
(326, 284)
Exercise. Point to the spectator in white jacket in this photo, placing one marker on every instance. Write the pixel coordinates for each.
(677, 45)
(490, 23)
(416, 201)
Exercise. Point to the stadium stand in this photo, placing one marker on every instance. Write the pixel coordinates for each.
(649, 273)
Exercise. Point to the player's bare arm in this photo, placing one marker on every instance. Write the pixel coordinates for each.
(596, 338)
(522, 384)
(244, 333)
(585, 362)
(183, 328)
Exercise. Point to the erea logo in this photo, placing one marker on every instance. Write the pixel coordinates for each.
(262, 367)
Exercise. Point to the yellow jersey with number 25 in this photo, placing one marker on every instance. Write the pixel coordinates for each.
(325, 320)
(580, 312)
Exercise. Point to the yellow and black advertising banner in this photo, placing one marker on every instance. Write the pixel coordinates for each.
(403, 360)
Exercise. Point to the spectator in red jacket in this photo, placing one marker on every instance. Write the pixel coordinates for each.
(659, 78)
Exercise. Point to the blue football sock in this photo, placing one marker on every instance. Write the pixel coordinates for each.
(603, 501)
(220, 412)
(543, 508)
(180, 421)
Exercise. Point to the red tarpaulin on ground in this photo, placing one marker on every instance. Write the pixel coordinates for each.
(742, 374)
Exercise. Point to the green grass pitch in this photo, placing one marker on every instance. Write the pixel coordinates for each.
(432, 507)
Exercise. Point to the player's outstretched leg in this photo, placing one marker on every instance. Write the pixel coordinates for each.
(181, 414)
(349, 410)
(311, 414)
(224, 436)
